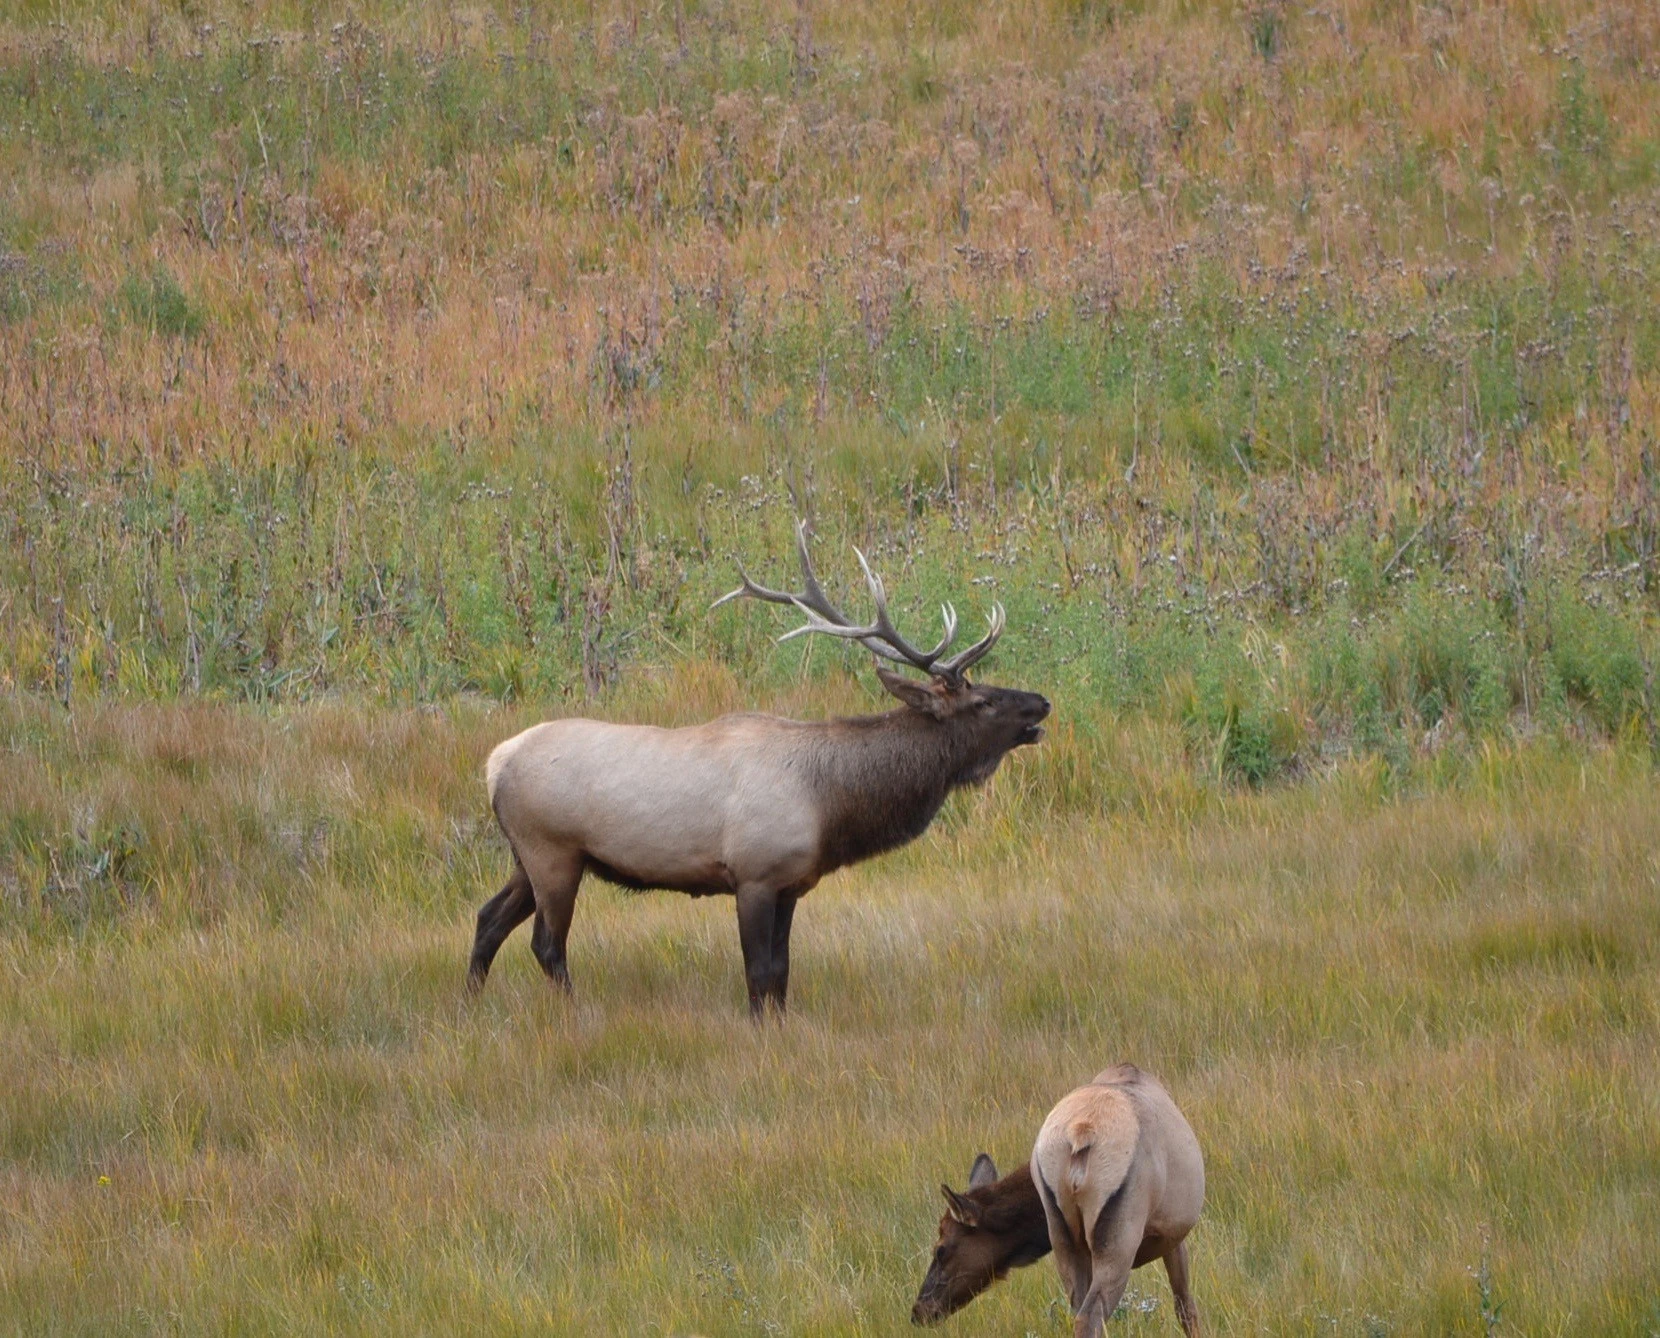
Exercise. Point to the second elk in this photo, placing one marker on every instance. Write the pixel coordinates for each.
(1122, 1181)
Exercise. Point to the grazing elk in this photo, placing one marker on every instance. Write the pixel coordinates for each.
(1122, 1181)
(991, 1227)
(996, 1225)
(752, 806)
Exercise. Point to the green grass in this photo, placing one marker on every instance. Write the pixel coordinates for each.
(1276, 651)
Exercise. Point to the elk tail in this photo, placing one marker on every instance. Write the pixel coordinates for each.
(1080, 1137)
(493, 767)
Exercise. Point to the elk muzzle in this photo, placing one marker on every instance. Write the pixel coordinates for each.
(1034, 713)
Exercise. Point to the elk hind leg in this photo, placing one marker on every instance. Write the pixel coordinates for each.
(1072, 1259)
(1106, 1290)
(555, 874)
(1113, 1239)
(498, 918)
(1187, 1311)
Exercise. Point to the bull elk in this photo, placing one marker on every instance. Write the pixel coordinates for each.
(751, 806)
(1115, 1181)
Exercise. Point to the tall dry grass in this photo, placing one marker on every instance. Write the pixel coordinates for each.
(250, 228)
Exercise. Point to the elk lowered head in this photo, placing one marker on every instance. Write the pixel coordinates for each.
(988, 1229)
(992, 721)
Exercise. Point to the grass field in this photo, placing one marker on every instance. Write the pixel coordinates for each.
(1416, 1039)
(378, 379)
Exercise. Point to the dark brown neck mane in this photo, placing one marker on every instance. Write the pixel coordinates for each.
(882, 778)
(1012, 1212)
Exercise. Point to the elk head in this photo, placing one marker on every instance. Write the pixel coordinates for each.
(973, 1251)
(991, 720)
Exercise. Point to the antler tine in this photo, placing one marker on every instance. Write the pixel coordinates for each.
(813, 597)
(958, 663)
(948, 616)
(869, 637)
(874, 638)
(884, 628)
(753, 591)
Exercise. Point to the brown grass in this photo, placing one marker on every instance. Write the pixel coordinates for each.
(790, 167)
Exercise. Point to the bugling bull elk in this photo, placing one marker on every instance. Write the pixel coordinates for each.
(1115, 1181)
(752, 806)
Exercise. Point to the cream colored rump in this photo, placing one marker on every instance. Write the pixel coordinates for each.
(1084, 1151)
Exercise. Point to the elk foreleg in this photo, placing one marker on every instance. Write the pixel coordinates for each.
(498, 918)
(782, 916)
(758, 912)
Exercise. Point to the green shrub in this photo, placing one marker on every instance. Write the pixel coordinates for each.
(156, 302)
(1597, 662)
(1441, 659)
(1227, 713)
(1358, 568)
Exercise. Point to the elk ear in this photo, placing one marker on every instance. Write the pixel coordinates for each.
(984, 1172)
(964, 1211)
(930, 697)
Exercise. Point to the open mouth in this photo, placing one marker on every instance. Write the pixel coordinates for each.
(1031, 734)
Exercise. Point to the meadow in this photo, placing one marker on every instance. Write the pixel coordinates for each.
(376, 380)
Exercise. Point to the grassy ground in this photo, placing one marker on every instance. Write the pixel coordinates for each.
(1415, 1036)
(377, 380)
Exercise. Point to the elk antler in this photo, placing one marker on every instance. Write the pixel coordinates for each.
(959, 663)
(881, 637)
(813, 598)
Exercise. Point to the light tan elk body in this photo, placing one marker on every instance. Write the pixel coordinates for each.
(1122, 1182)
(752, 806)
